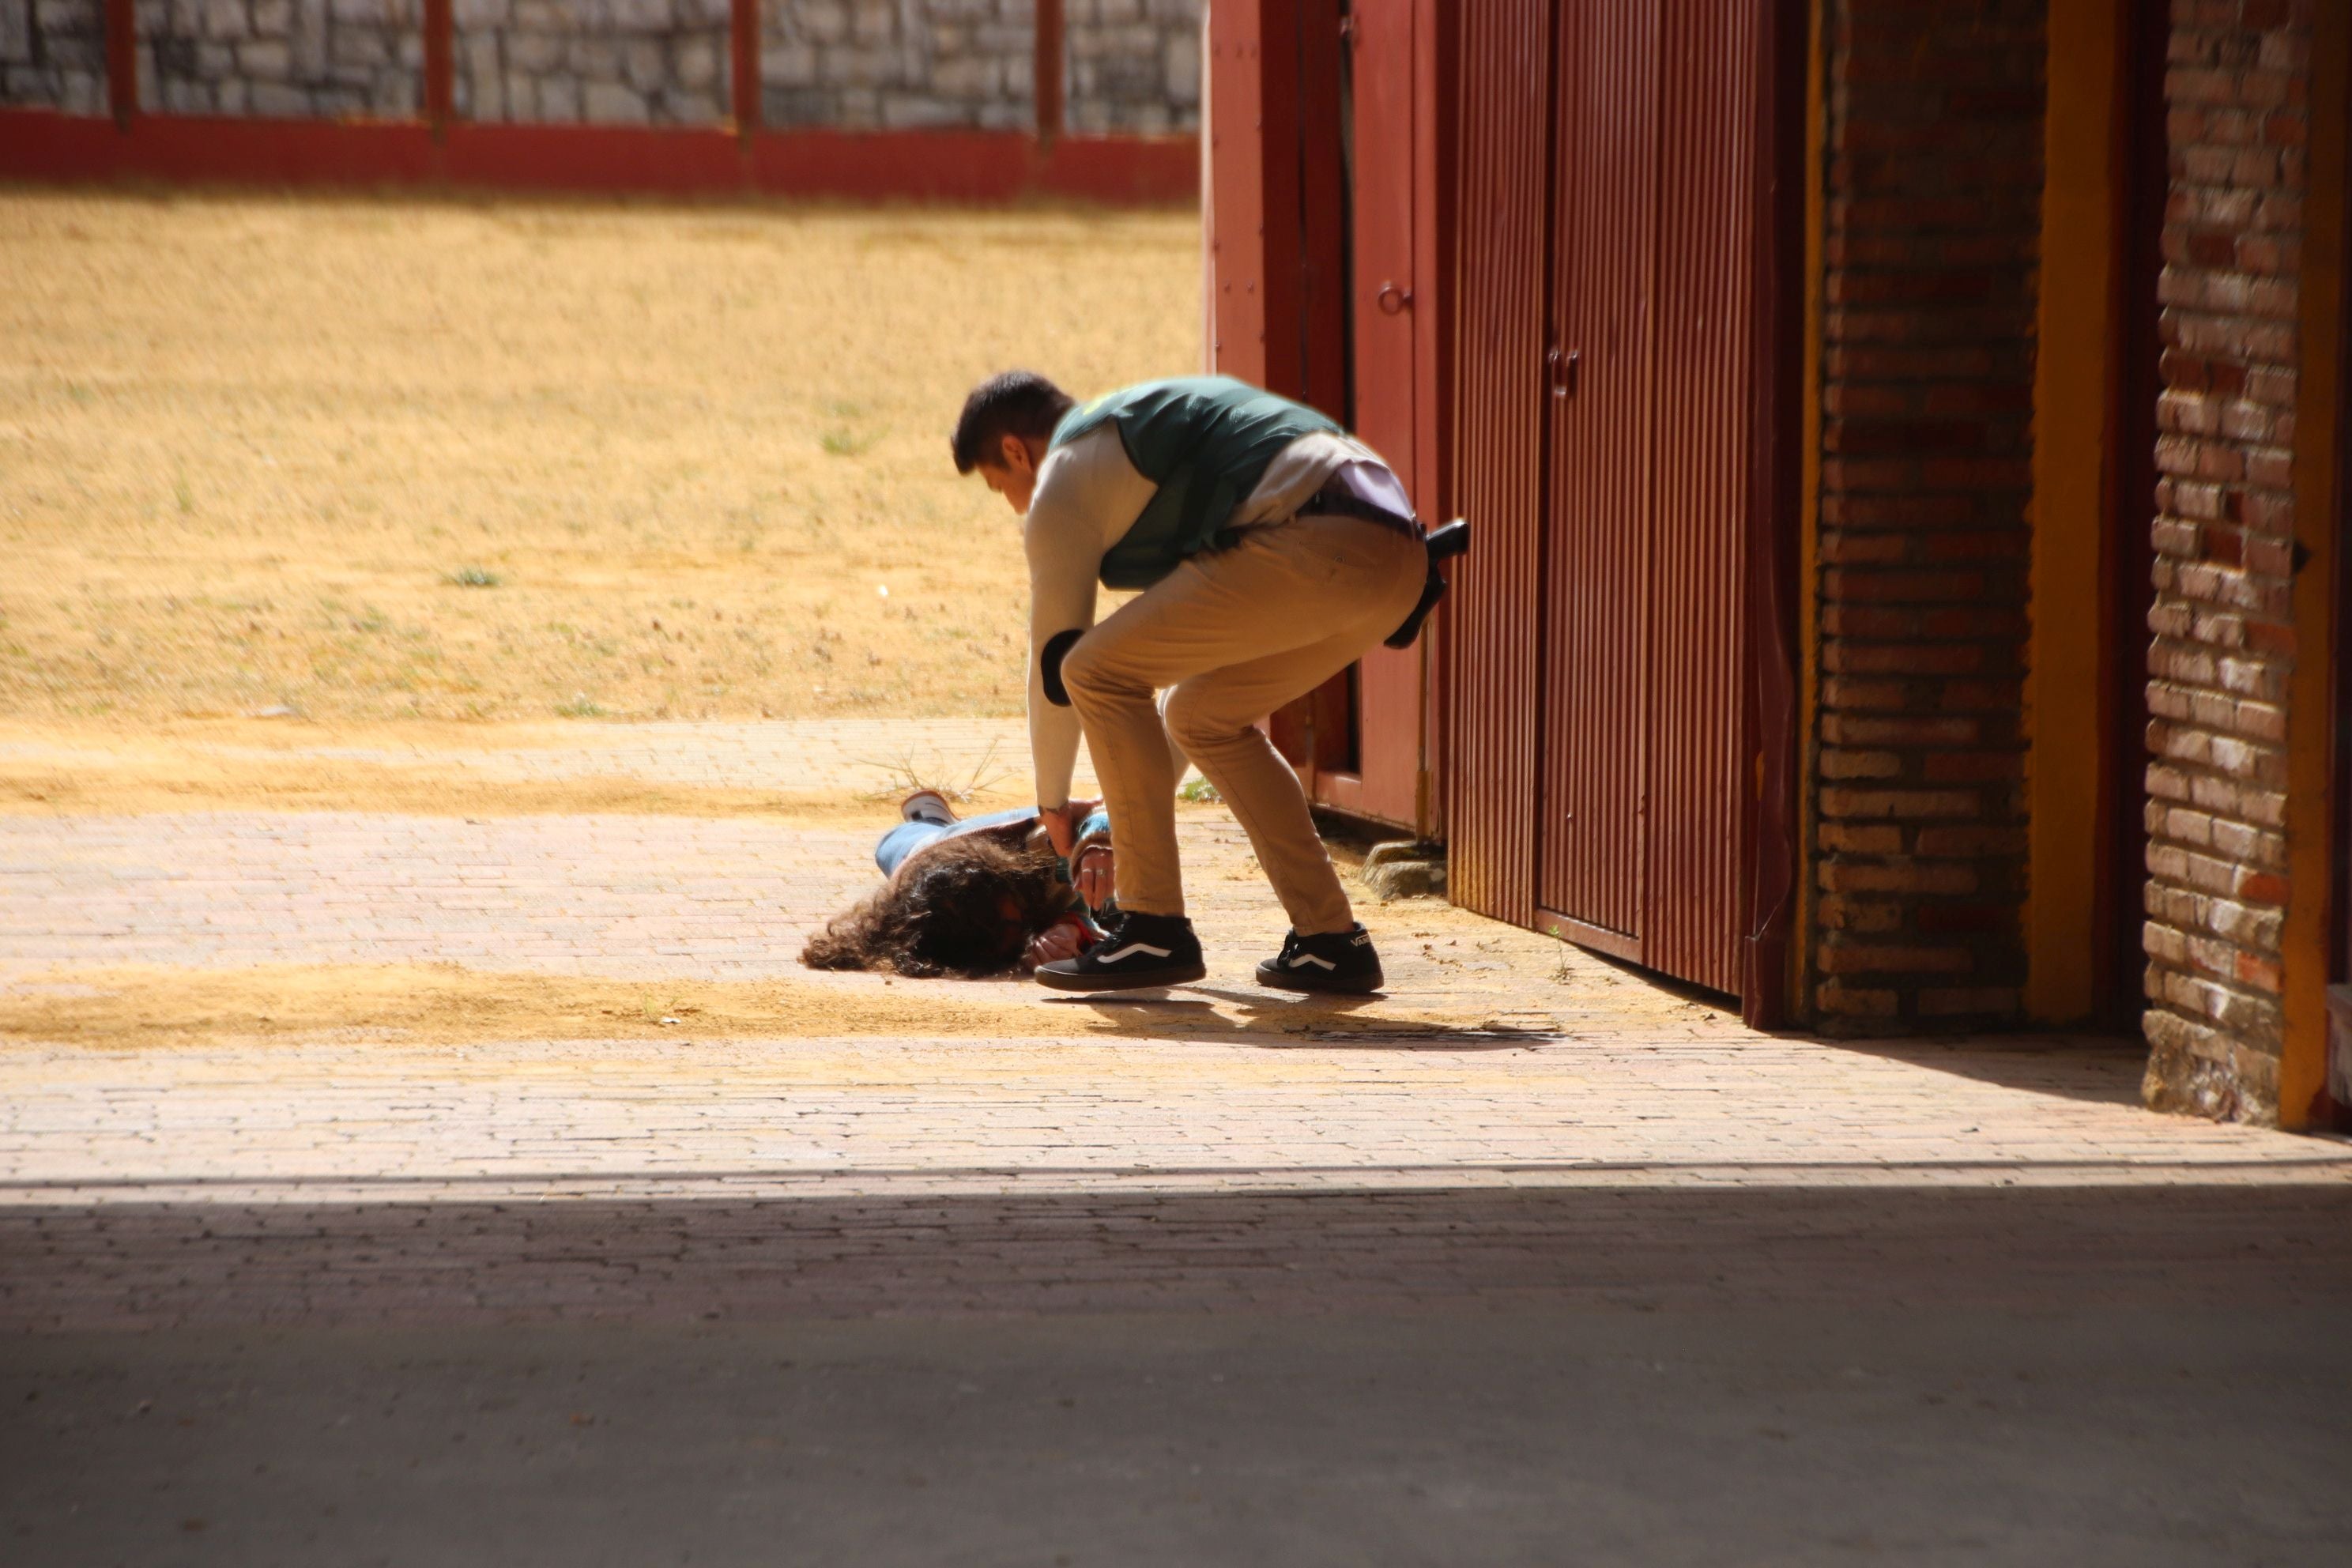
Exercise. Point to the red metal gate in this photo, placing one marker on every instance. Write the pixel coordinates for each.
(1635, 782)
(1499, 400)
(1589, 809)
(1698, 742)
(1608, 420)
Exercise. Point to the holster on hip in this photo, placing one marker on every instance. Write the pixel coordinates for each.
(1443, 544)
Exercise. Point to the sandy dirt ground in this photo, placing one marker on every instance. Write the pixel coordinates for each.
(367, 460)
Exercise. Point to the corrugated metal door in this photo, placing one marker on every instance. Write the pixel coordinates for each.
(1709, 109)
(1488, 622)
(1608, 188)
(1591, 804)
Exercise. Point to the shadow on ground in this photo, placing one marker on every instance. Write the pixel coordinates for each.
(2103, 1070)
(1440, 1376)
(1279, 1022)
(1271, 1249)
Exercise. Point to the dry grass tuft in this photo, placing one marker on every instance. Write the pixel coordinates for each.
(982, 781)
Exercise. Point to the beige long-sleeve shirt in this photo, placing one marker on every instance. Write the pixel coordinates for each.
(1088, 495)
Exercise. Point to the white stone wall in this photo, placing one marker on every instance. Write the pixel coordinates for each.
(1131, 65)
(609, 62)
(865, 65)
(282, 58)
(53, 55)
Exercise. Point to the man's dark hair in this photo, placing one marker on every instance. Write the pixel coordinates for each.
(1015, 403)
(944, 912)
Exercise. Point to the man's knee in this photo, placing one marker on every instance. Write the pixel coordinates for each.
(1195, 722)
(1082, 672)
(1091, 676)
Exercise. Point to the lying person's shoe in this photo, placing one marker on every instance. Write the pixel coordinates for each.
(1141, 950)
(927, 805)
(1332, 961)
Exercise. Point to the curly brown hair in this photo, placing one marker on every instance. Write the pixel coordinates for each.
(946, 911)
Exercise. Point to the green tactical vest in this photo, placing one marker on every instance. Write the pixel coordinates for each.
(1206, 440)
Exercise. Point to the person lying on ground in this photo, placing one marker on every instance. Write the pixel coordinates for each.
(974, 898)
(1273, 550)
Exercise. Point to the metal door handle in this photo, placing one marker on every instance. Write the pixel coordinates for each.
(1563, 363)
(1392, 298)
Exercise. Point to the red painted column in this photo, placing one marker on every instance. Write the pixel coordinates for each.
(122, 61)
(743, 47)
(1048, 72)
(440, 54)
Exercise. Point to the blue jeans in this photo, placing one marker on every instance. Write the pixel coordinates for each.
(908, 837)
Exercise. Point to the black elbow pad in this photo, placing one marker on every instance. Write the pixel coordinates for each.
(1049, 666)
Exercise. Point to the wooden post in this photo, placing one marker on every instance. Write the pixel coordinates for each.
(1046, 74)
(440, 58)
(122, 62)
(743, 46)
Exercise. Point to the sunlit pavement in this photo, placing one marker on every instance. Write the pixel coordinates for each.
(1531, 1262)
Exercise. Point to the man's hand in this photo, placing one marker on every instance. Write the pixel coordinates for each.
(1095, 875)
(1062, 823)
(1063, 938)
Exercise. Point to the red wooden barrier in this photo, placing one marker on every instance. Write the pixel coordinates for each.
(983, 166)
(736, 157)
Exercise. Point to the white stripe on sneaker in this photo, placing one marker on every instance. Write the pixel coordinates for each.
(1310, 958)
(1134, 947)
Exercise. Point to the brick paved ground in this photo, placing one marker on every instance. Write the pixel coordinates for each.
(1453, 1276)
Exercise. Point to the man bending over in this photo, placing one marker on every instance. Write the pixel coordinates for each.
(1273, 549)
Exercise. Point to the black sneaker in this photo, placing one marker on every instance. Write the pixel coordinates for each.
(1333, 961)
(1140, 950)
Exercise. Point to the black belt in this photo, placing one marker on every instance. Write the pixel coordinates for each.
(1336, 499)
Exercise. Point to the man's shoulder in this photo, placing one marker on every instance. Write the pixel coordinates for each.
(1153, 396)
(1075, 466)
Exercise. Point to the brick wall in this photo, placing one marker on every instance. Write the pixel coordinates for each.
(2225, 635)
(1933, 219)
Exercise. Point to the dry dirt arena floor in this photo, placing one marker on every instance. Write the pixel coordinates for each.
(446, 674)
(368, 459)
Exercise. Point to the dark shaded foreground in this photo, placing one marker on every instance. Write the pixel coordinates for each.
(2078, 1376)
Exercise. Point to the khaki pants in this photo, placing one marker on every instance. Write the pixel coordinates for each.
(1235, 634)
